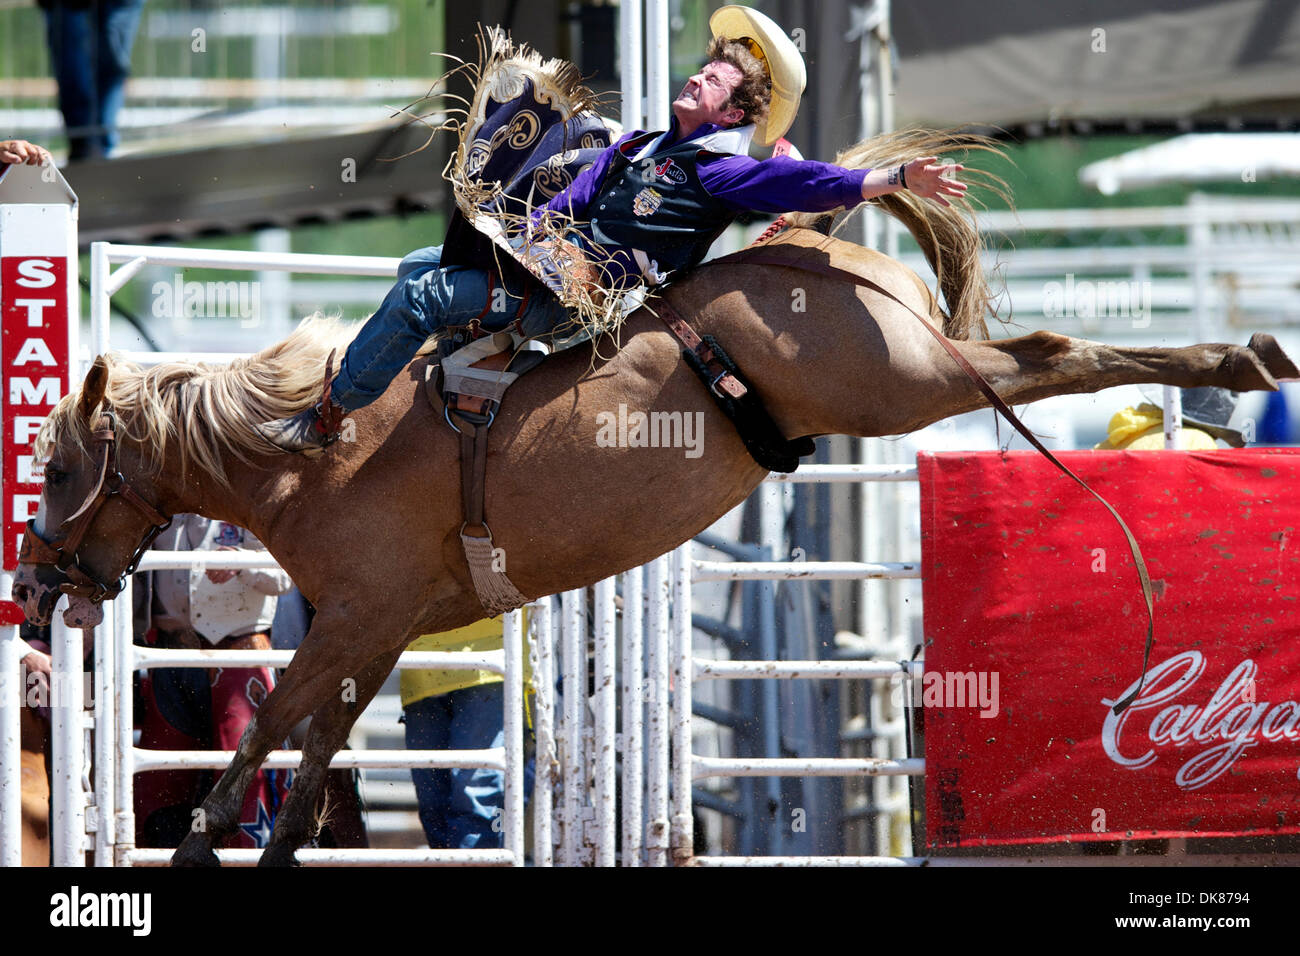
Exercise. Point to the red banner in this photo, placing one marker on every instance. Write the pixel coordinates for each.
(34, 369)
(1034, 627)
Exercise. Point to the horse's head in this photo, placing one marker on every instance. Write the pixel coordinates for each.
(95, 518)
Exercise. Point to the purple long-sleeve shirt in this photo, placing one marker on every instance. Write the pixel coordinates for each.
(776, 185)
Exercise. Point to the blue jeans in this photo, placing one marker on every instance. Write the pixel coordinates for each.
(458, 807)
(90, 51)
(425, 299)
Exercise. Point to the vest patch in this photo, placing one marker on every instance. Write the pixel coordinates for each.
(670, 171)
(647, 201)
(229, 535)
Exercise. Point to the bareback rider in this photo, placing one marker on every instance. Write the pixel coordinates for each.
(654, 202)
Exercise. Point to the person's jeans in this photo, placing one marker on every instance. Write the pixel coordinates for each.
(459, 809)
(90, 51)
(427, 298)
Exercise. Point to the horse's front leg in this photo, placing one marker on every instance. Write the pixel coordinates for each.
(329, 729)
(334, 652)
(221, 807)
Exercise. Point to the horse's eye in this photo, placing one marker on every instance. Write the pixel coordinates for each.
(55, 476)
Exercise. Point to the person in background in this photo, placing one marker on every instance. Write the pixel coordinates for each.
(458, 710)
(1206, 413)
(34, 743)
(197, 709)
(90, 52)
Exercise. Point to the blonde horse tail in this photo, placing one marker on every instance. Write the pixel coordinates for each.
(947, 235)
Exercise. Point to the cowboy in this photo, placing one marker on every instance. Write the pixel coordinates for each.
(653, 203)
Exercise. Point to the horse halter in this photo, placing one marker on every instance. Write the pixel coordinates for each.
(62, 550)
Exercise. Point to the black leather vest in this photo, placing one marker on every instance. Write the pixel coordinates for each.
(657, 204)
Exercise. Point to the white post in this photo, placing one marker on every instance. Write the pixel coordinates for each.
(274, 288)
(123, 650)
(100, 313)
(630, 14)
(772, 515)
(657, 665)
(877, 786)
(12, 699)
(1173, 401)
(68, 820)
(105, 737)
(657, 71)
(683, 830)
(633, 708)
(540, 632)
(39, 300)
(574, 630)
(514, 737)
(882, 37)
(605, 717)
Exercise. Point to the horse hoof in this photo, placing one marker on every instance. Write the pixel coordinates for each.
(281, 855)
(1247, 372)
(192, 855)
(1275, 360)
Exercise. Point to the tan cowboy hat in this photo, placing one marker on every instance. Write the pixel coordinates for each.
(776, 52)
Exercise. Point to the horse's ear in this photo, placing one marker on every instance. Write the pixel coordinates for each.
(93, 388)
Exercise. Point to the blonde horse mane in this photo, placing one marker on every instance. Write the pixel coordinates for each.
(947, 235)
(203, 412)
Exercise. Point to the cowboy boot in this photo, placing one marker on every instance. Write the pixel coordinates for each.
(309, 432)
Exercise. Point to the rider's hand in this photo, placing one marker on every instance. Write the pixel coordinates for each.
(929, 182)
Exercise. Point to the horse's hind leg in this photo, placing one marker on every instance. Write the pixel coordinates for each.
(334, 651)
(329, 729)
(1044, 364)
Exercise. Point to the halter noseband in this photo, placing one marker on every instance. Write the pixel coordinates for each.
(62, 550)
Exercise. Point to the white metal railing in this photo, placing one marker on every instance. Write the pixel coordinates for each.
(1236, 266)
(113, 718)
(688, 669)
(658, 763)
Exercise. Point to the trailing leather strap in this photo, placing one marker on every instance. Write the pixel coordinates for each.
(764, 257)
(331, 415)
